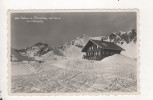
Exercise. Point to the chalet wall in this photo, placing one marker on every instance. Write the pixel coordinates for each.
(107, 52)
(94, 52)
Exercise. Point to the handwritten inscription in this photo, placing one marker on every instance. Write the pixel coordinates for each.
(36, 19)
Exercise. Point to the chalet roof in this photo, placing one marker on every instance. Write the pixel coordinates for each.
(104, 45)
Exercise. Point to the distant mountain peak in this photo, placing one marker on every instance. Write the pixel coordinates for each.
(40, 43)
(37, 49)
(83, 35)
(16, 56)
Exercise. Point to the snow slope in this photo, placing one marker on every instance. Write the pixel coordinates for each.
(114, 73)
(120, 63)
(19, 68)
(130, 50)
(72, 52)
(115, 62)
(46, 56)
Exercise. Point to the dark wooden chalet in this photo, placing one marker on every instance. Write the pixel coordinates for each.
(99, 49)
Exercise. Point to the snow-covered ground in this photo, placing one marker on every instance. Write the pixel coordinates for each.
(69, 74)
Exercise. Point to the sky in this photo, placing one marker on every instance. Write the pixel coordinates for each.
(58, 28)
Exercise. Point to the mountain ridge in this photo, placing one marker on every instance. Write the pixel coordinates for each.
(123, 39)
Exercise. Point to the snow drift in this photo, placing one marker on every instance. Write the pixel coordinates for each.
(114, 63)
(73, 52)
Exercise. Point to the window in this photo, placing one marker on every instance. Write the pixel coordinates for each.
(97, 46)
(90, 48)
(99, 53)
(95, 53)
